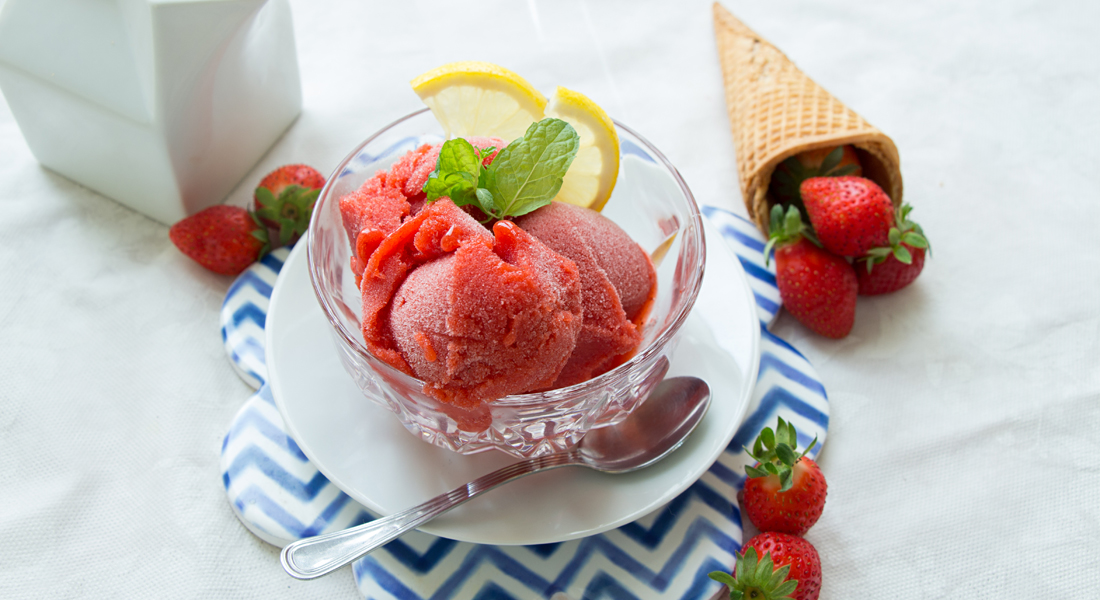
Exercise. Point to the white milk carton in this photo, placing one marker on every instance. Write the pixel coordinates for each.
(163, 105)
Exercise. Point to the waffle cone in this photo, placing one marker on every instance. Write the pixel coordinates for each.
(776, 111)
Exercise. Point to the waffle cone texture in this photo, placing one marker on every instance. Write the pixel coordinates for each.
(776, 112)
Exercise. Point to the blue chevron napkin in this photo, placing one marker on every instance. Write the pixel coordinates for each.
(281, 497)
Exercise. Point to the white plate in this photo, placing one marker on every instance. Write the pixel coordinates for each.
(364, 450)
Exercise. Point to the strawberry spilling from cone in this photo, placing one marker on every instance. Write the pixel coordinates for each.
(854, 243)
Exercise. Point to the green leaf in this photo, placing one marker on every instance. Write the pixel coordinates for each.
(754, 472)
(721, 577)
(786, 480)
(914, 239)
(748, 563)
(793, 220)
(786, 455)
(785, 590)
(832, 160)
(485, 199)
(768, 437)
(781, 434)
(793, 435)
(810, 447)
(902, 254)
(771, 468)
(456, 175)
(779, 576)
(894, 236)
(459, 156)
(528, 173)
(845, 170)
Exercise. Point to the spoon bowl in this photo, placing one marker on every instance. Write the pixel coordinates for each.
(654, 430)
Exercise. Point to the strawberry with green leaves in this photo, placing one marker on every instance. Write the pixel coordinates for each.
(850, 215)
(774, 566)
(284, 200)
(785, 491)
(889, 268)
(817, 287)
(224, 239)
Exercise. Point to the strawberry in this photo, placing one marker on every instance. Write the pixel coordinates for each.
(794, 552)
(284, 200)
(817, 287)
(889, 268)
(224, 239)
(850, 215)
(789, 568)
(785, 492)
(834, 161)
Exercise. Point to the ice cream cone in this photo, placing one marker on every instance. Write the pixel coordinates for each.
(776, 111)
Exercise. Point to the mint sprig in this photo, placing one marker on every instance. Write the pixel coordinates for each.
(524, 176)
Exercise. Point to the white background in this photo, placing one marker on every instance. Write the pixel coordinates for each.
(963, 449)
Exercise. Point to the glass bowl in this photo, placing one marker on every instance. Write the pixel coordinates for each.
(651, 202)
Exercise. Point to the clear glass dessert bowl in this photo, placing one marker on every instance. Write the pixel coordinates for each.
(651, 203)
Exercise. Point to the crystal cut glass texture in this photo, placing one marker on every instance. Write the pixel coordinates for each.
(651, 202)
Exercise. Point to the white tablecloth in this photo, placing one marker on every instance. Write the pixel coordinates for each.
(962, 454)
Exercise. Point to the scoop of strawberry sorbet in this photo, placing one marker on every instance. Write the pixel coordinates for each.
(475, 315)
(618, 284)
(385, 200)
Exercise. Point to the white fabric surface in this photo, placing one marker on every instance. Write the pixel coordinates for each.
(962, 454)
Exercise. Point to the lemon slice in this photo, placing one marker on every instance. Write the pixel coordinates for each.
(591, 178)
(477, 98)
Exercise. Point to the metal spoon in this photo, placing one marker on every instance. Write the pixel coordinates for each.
(650, 433)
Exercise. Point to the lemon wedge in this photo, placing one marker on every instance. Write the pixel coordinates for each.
(591, 178)
(478, 98)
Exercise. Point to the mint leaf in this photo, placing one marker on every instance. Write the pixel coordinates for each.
(485, 199)
(459, 156)
(527, 173)
(456, 173)
(524, 176)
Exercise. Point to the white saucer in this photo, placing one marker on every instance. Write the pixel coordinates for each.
(366, 452)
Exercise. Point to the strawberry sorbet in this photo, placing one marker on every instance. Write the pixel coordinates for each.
(477, 313)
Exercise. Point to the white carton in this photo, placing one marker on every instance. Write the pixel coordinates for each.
(163, 105)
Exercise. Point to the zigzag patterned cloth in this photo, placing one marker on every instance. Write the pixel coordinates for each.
(281, 497)
(244, 313)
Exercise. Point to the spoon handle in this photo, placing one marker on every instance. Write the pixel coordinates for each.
(316, 556)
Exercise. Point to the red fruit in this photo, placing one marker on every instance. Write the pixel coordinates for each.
(793, 511)
(284, 200)
(817, 287)
(834, 161)
(850, 215)
(800, 555)
(224, 239)
(891, 275)
(887, 269)
(785, 491)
